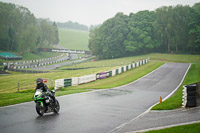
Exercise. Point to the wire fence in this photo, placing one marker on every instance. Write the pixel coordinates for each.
(32, 85)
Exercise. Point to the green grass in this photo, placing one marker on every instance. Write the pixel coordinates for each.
(154, 56)
(15, 98)
(107, 63)
(183, 58)
(74, 39)
(175, 101)
(191, 128)
(117, 80)
(8, 83)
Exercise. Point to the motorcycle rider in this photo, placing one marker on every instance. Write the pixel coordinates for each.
(44, 88)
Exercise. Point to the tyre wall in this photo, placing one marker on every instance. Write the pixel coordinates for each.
(190, 95)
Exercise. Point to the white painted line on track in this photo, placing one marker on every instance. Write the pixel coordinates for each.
(139, 78)
(163, 127)
(117, 128)
(16, 104)
(178, 85)
(96, 90)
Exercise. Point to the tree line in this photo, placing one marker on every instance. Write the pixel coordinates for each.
(168, 29)
(75, 25)
(21, 32)
(72, 25)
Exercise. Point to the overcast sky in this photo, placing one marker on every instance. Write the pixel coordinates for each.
(91, 12)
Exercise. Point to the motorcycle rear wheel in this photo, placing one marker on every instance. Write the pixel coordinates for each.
(39, 109)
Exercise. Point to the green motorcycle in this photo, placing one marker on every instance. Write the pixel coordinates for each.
(44, 103)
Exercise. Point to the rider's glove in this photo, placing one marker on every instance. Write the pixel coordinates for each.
(48, 93)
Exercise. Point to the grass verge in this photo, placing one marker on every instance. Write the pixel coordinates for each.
(9, 83)
(175, 101)
(116, 80)
(182, 58)
(9, 98)
(191, 128)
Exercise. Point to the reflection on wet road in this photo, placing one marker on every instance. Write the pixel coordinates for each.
(98, 111)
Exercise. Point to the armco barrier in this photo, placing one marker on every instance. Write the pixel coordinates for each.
(133, 65)
(122, 69)
(35, 63)
(114, 72)
(119, 70)
(125, 68)
(109, 73)
(130, 66)
(59, 83)
(75, 81)
(138, 64)
(87, 78)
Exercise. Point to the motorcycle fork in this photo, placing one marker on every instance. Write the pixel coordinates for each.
(41, 104)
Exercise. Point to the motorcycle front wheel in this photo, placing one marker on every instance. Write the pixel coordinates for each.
(39, 109)
(57, 106)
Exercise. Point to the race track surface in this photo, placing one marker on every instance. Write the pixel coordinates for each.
(100, 111)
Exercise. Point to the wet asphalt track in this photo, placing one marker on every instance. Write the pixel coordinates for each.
(97, 111)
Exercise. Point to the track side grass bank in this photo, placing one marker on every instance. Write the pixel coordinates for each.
(175, 101)
(8, 83)
(9, 98)
(182, 58)
(192, 128)
(115, 81)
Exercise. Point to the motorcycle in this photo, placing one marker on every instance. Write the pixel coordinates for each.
(44, 103)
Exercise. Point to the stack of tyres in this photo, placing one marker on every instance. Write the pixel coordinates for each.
(191, 95)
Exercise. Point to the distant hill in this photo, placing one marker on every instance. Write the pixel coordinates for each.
(72, 25)
(73, 39)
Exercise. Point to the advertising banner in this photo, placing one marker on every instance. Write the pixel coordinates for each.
(102, 75)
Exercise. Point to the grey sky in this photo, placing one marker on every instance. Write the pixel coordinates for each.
(90, 12)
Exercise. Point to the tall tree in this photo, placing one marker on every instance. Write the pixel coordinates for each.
(55, 33)
(46, 33)
(194, 40)
(20, 32)
(108, 40)
(140, 36)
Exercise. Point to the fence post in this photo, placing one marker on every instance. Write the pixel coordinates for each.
(18, 87)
